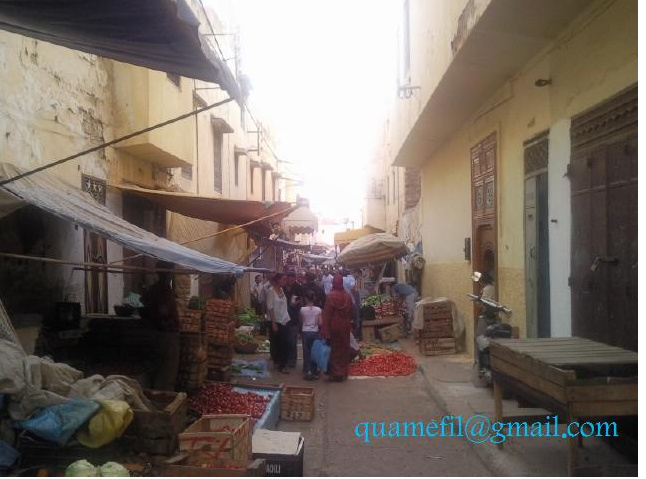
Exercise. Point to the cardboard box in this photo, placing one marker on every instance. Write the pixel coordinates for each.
(282, 451)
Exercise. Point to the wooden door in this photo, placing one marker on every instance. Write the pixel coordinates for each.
(603, 174)
(95, 246)
(483, 206)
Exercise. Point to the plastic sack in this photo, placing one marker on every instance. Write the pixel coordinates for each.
(81, 468)
(106, 425)
(320, 354)
(59, 423)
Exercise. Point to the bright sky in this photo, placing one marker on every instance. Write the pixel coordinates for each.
(323, 73)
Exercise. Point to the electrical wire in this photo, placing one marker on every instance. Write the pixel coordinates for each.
(113, 142)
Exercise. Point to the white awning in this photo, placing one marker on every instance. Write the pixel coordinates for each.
(49, 193)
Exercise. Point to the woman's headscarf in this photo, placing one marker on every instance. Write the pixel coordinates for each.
(337, 282)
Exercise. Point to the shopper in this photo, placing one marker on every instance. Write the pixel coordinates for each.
(406, 293)
(277, 310)
(311, 321)
(160, 309)
(336, 328)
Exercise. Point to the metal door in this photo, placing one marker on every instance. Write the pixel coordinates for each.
(95, 246)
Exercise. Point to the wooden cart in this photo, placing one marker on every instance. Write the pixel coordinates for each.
(572, 377)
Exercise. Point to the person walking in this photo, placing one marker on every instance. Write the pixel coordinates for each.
(311, 321)
(279, 317)
(327, 282)
(336, 328)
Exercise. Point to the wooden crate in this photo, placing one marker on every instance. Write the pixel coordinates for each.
(390, 334)
(437, 346)
(192, 375)
(437, 328)
(156, 431)
(222, 374)
(215, 438)
(368, 334)
(437, 311)
(177, 467)
(297, 403)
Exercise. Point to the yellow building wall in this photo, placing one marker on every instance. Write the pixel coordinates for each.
(592, 60)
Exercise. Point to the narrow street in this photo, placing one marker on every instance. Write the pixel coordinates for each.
(332, 448)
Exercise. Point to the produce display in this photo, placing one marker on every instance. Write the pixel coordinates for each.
(197, 303)
(219, 398)
(248, 317)
(391, 364)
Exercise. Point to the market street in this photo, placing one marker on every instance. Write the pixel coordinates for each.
(332, 449)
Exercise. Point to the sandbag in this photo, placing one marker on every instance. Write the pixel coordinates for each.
(107, 425)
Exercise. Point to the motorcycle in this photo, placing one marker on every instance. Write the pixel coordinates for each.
(488, 327)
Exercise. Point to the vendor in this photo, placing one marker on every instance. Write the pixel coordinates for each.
(407, 293)
(160, 309)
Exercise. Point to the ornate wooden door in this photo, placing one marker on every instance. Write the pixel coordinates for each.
(483, 205)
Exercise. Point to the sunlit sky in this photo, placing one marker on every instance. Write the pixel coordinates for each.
(323, 73)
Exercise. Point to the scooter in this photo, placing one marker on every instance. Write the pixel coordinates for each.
(488, 327)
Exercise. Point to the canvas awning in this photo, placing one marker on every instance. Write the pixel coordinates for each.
(157, 34)
(372, 249)
(219, 210)
(300, 221)
(49, 193)
(345, 237)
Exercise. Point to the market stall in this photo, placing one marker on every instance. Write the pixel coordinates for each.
(374, 251)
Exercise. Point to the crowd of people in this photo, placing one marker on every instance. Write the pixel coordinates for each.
(322, 304)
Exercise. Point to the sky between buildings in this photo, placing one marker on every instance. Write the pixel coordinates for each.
(323, 74)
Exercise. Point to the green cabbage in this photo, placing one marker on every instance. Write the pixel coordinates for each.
(112, 469)
(81, 468)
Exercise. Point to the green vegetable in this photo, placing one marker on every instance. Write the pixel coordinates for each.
(113, 469)
(81, 468)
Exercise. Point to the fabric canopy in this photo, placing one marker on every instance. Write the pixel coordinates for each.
(51, 194)
(372, 249)
(219, 210)
(156, 34)
(345, 237)
(301, 221)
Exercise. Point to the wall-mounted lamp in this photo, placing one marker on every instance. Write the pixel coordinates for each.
(541, 82)
(467, 249)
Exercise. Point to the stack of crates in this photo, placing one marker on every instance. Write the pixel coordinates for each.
(192, 369)
(436, 337)
(220, 327)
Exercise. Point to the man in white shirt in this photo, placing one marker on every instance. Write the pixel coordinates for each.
(327, 282)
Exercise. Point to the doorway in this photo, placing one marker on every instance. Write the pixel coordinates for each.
(537, 265)
(95, 247)
(483, 208)
(603, 181)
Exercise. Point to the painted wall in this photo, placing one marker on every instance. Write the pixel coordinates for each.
(592, 59)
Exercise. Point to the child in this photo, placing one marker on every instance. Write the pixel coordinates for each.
(311, 320)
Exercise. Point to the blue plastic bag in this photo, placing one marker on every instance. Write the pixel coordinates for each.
(320, 354)
(59, 423)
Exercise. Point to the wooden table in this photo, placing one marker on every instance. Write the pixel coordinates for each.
(572, 377)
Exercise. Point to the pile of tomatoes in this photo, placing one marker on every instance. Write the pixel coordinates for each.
(219, 398)
(393, 364)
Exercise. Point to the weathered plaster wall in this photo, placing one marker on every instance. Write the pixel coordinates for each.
(591, 60)
(56, 102)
